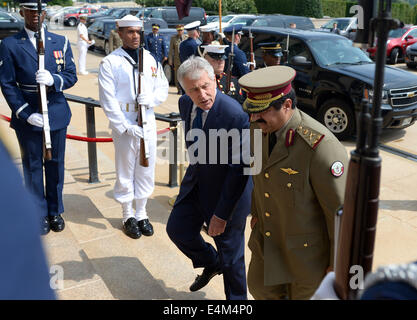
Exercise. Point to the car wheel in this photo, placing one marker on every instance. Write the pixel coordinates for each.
(394, 56)
(72, 22)
(106, 47)
(338, 117)
(169, 73)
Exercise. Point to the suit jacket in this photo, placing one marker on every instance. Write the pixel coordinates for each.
(222, 188)
(18, 65)
(295, 197)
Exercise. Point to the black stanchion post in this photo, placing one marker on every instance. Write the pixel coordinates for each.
(92, 148)
(173, 156)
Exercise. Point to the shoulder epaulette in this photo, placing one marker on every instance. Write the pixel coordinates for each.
(312, 137)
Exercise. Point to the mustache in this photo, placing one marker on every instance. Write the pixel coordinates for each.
(260, 121)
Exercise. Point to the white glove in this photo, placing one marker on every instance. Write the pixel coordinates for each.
(44, 77)
(326, 291)
(251, 63)
(35, 119)
(135, 131)
(145, 99)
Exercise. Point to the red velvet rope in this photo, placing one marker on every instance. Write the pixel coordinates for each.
(86, 139)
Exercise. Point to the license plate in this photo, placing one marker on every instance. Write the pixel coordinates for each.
(407, 121)
(415, 59)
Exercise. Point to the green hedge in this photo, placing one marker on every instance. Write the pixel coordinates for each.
(275, 6)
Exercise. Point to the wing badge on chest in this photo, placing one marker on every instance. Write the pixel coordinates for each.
(289, 171)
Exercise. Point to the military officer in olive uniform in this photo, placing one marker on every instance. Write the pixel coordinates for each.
(114, 40)
(295, 195)
(215, 54)
(155, 43)
(174, 52)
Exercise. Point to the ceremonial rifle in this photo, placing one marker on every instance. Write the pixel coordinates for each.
(42, 99)
(286, 51)
(252, 54)
(355, 243)
(144, 148)
(230, 65)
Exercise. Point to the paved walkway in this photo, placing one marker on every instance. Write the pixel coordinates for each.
(100, 262)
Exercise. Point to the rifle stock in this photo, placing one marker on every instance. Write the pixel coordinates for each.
(252, 54)
(355, 243)
(230, 64)
(143, 158)
(42, 98)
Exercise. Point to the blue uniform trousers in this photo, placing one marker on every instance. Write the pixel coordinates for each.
(49, 197)
(184, 226)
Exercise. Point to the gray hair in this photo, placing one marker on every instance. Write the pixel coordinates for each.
(192, 68)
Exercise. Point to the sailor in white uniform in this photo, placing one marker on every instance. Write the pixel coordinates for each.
(82, 44)
(118, 81)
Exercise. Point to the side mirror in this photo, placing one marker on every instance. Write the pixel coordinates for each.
(300, 61)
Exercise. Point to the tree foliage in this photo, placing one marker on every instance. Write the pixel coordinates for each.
(308, 8)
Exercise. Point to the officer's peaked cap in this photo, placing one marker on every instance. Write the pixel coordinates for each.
(238, 29)
(266, 85)
(192, 26)
(32, 4)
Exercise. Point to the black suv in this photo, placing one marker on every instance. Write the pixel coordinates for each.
(170, 15)
(332, 76)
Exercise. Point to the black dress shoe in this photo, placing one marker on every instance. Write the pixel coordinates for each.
(57, 223)
(146, 227)
(45, 228)
(131, 228)
(203, 280)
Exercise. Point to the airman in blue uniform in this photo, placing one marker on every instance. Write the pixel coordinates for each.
(240, 63)
(155, 43)
(189, 46)
(19, 79)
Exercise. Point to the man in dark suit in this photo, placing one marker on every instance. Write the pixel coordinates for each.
(19, 80)
(213, 191)
(23, 268)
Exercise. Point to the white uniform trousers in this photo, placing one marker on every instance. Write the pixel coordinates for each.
(132, 180)
(82, 55)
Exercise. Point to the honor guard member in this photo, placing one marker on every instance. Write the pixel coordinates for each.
(295, 195)
(271, 53)
(82, 44)
(156, 44)
(189, 46)
(118, 81)
(19, 79)
(240, 63)
(208, 34)
(174, 52)
(214, 192)
(214, 53)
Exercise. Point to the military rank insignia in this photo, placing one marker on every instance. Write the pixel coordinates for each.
(59, 57)
(337, 169)
(289, 138)
(153, 72)
(289, 171)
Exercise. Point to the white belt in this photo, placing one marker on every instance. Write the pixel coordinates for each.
(129, 107)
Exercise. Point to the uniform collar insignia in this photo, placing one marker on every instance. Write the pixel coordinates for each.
(289, 171)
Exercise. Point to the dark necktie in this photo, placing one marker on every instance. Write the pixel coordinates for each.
(197, 124)
(272, 141)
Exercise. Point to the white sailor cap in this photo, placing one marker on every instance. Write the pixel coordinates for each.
(215, 50)
(192, 25)
(207, 28)
(31, 5)
(129, 21)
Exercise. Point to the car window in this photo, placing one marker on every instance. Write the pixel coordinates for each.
(83, 11)
(156, 14)
(170, 14)
(413, 33)
(260, 23)
(298, 48)
(196, 13)
(334, 51)
(397, 33)
(4, 17)
(227, 18)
